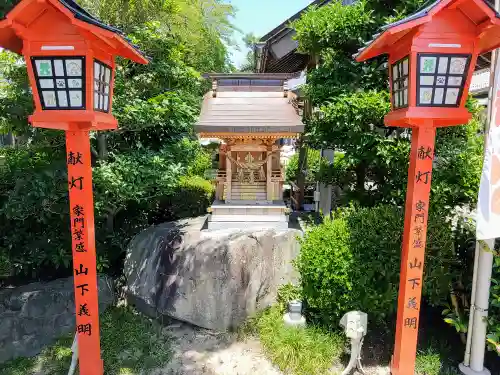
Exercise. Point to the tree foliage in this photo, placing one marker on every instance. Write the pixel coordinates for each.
(248, 65)
(142, 169)
(351, 100)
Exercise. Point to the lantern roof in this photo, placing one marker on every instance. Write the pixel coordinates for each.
(480, 12)
(25, 12)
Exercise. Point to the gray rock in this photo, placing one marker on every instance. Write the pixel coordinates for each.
(214, 279)
(36, 315)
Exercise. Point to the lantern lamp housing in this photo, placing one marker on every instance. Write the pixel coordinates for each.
(441, 79)
(102, 86)
(70, 57)
(432, 55)
(60, 82)
(400, 81)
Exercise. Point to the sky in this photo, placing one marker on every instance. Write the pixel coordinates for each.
(260, 17)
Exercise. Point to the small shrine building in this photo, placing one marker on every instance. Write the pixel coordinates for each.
(249, 113)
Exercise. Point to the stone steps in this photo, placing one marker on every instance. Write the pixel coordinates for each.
(249, 218)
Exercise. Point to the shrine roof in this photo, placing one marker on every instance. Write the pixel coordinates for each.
(391, 33)
(255, 104)
(12, 42)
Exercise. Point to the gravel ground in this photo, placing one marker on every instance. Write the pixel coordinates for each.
(197, 351)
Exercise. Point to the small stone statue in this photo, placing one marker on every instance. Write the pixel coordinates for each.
(355, 325)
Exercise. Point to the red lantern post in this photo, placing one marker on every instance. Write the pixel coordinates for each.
(70, 60)
(432, 55)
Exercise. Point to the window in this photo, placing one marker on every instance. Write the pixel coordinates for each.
(60, 81)
(441, 79)
(102, 86)
(400, 74)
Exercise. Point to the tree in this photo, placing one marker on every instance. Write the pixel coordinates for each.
(200, 28)
(352, 99)
(248, 65)
(137, 184)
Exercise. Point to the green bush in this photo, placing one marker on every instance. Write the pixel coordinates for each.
(313, 166)
(191, 197)
(131, 191)
(202, 161)
(352, 263)
(318, 168)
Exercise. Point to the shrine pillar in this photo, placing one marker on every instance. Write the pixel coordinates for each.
(229, 174)
(269, 172)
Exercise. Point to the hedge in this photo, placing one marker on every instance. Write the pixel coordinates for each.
(353, 261)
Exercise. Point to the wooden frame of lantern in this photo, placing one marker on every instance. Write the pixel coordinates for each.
(70, 59)
(432, 55)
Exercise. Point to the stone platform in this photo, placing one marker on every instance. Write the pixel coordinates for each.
(248, 215)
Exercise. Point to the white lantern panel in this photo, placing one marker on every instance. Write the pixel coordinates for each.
(427, 80)
(405, 67)
(74, 68)
(395, 72)
(106, 103)
(438, 95)
(75, 83)
(49, 98)
(428, 64)
(75, 98)
(107, 77)
(44, 68)
(396, 100)
(425, 95)
(63, 98)
(443, 65)
(452, 96)
(102, 86)
(46, 83)
(61, 83)
(457, 65)
(441, 80)
(97, 71)
(454, 81)
(59, 68)
(405, 97)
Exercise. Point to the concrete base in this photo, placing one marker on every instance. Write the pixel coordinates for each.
(294, 323)
(468, 371)
(248, 215)
(218, 225)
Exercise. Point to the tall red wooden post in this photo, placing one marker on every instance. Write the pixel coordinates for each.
(413, 252)
(84, 253)
(70, 59)
(432, 55)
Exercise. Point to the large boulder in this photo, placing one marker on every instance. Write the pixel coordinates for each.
(214, 279)
(36, 315)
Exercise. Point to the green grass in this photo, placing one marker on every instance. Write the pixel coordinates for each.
(314, 350)
(130, 344)
(432, 361)
(300, 351)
